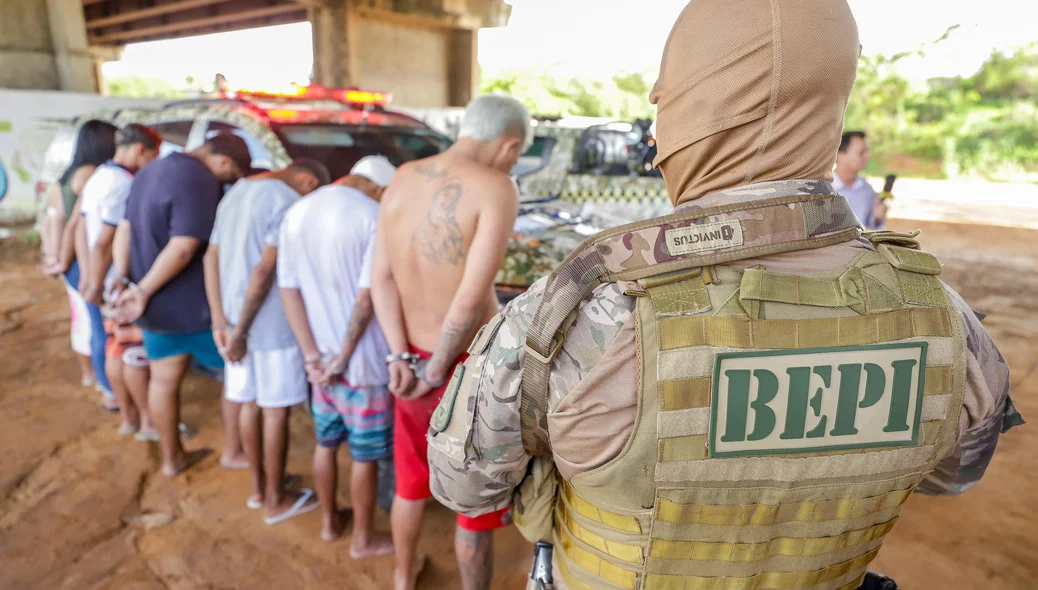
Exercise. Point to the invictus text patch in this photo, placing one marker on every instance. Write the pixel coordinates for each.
(708, 236)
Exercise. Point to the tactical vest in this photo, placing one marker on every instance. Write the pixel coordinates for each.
(782, 419)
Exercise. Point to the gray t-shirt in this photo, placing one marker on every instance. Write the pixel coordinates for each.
(247, 220)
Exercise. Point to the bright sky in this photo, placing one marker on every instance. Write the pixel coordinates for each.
(598, 37)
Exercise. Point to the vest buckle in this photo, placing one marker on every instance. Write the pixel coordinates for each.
(556, 347)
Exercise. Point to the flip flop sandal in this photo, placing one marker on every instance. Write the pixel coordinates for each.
(109, 409)
(290, 482)
(302, 506)
(88, 382)
(127, 430)
(186, 433)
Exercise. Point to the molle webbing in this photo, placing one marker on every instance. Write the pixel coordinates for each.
(784, 546)
(640, 250)
(731, 332)
(809, 519)
(773, 514)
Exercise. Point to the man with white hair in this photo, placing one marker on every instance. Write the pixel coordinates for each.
(443, 230)
(325, 254)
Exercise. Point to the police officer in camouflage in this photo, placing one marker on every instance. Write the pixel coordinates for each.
(741, 394)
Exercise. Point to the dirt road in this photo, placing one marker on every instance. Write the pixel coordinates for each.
(82, 508)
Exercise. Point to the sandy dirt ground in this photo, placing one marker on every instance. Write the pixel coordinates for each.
(82, 508)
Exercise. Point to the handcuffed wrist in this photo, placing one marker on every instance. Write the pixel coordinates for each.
(403, 356)
(434, 384)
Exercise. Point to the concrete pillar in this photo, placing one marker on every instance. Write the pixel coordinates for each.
(334, 59)
(422, 51)
(99, 56)
(43, 46)
(464, 67)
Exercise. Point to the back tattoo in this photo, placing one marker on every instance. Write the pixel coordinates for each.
(438, 237)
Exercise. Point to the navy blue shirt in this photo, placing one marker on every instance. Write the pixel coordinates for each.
(173, 196)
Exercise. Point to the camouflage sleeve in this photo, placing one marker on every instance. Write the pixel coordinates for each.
(987, 412)
(476, 455)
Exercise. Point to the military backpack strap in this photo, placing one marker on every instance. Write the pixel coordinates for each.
(686, 239)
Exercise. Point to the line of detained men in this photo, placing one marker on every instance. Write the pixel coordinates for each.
(186, 276)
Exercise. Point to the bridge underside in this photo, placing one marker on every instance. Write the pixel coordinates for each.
(132, 21)
(424, 51)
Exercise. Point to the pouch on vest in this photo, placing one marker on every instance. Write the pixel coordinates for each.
(535, 501)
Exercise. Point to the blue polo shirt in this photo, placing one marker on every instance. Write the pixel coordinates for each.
(174, 196)
(862, 198)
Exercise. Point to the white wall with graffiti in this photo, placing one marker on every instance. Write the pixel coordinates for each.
(28, 123)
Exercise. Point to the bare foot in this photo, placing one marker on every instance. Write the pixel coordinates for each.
(288, 502)
(234, 462)
(416, 571)
(255, 502)
(377, 545)
(188, 460)
(331, 529)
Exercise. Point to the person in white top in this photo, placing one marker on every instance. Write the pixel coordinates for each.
(103, 206)
(325, 256)
(263, 374)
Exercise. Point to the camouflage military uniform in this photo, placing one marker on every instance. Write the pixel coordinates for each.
(477, 456)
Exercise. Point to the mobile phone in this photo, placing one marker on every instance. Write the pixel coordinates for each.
(888, 186)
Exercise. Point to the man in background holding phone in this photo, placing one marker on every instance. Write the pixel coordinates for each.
(851, 160)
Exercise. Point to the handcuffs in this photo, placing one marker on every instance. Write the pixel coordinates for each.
(417, 365)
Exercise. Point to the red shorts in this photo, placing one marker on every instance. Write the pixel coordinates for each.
(411, 453)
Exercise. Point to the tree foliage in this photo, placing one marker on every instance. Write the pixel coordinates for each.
(142, 87)
(624, 96)
(982, 126)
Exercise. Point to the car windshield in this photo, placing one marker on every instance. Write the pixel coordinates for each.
(340, 146)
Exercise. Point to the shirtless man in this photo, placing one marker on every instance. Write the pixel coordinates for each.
(432, 292)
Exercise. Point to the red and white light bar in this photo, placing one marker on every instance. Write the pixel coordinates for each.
(351, 96)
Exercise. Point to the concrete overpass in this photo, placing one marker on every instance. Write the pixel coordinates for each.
(423, 51)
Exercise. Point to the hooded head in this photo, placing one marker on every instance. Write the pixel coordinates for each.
(753, 91)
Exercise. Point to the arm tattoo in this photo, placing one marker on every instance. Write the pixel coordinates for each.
(454, 338)
(438, 237)
(255, 294)
(359, 319)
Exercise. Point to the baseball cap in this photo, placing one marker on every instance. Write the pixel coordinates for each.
(232, 146)
(377, 169)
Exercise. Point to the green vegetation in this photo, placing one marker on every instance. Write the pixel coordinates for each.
(142, 87)
(984, 126)
(625, 96)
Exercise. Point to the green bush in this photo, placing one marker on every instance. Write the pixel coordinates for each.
(982, 126)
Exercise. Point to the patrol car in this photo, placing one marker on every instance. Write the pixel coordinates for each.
(337, 127)
(567, 194)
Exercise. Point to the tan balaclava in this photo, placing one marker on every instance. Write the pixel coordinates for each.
(753, 91)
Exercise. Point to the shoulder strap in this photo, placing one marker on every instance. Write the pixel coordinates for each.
(683, 240)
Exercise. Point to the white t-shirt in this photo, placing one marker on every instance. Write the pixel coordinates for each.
(247, 220)
(326, 250)
(103, 201)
